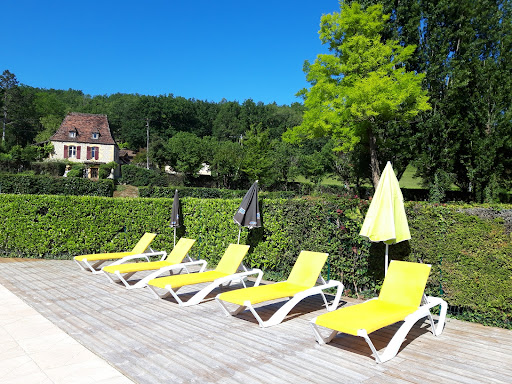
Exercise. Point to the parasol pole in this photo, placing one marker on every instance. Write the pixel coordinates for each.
(239, 231)
(386, 262)
(174, 236)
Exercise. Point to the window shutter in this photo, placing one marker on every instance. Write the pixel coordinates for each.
(66, 153)
(88, 152)
(78, 152)
(97, 153)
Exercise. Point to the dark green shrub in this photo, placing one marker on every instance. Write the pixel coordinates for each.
(133, 175)
(49, 168)
(106, 169)
(77, 170)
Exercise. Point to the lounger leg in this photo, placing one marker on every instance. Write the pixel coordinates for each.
(318, 336)
(80, 265)
(337, 298)
(156, 294)
(109, 277)
(92, 267)
(174, 294)
(199, 296)
(431, 303)
(226, 310)
(125, 278)
(378, 359)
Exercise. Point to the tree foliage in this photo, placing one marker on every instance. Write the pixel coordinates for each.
(361, 86)
(465, 50)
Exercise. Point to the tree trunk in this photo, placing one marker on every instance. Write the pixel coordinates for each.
(4, 124)
(374, 162)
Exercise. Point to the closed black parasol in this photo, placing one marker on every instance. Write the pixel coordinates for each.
(175, 214)
(248, 214)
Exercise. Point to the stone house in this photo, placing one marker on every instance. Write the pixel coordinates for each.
(85, 138)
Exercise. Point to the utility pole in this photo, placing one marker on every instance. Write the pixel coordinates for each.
(147, 143)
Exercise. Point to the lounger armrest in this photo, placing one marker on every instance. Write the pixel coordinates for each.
(339, 291)
(138, 256)
(240, 275)
(202, 263)
(319, 288)
(169, 268)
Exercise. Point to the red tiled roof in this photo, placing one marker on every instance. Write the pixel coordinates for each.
(84, 124)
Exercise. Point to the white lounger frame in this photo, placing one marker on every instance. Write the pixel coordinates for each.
(91, 266)
(143, 282)
(398, 338)
(201, 294)
(281, 313)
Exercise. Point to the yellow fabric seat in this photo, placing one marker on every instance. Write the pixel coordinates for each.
(104, 256)
(136, 267)
(299, 285)
(262, 293)
(370, 315)
(140, 248)
(400, 299)
(179, 281)
(224, 273)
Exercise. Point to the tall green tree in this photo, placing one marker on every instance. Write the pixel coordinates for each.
(361, 87)
(8, 84)
(185, 153)
(225, 161)
(465, 49)
(257, 156)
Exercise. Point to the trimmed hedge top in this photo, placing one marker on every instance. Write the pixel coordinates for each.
(49, 185)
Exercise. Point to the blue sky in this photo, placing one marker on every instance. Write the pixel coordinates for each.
(207, 50)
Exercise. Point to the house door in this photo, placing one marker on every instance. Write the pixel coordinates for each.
(94, 173)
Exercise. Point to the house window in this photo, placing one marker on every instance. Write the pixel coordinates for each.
(72, 134)
(93, 153)
(95, 135)
(72, 151)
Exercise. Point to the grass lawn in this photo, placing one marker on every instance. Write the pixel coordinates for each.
(407, 181)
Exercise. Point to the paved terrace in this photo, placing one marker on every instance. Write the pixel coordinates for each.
(156, 341)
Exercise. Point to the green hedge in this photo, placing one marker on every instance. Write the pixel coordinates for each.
(469, 247)
(48, 185)
(133, 175)
(207, 193)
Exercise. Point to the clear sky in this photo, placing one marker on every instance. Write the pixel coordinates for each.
(202, 49)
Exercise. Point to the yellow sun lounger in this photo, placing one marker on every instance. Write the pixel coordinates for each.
(400, 299)
(224, 273)
(141, 249)
(299, 285)
(174, 260)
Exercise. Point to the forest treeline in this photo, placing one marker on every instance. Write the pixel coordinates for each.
(463, 137)
(240, 141)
